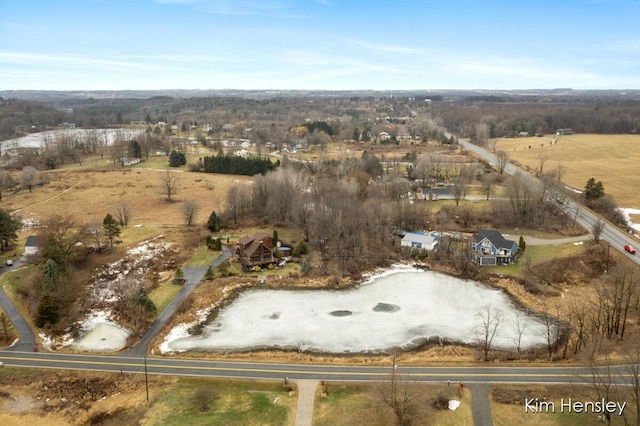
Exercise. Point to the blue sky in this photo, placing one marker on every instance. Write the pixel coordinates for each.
(319, 44)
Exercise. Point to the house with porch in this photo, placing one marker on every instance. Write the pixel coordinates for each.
(490, 248)
(256, 250)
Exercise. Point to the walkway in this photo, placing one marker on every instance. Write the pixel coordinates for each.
(306, 400)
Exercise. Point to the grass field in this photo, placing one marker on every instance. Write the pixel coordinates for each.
(612, 159)
(172, 401)
(239, 403)
(359, 404)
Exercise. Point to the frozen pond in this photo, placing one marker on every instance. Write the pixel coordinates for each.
(104, 337)
(40, 139)
(396, 309)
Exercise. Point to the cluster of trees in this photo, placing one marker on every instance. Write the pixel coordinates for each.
(351, 228)
(235, 165)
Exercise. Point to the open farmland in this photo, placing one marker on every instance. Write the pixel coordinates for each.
(90, 195)
(612, 159)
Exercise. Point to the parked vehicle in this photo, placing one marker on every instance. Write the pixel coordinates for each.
(8, 262)
(630, 249)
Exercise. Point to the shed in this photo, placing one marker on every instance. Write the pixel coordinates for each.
(32, 245)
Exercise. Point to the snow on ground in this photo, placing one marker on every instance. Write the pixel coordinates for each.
(108, 280)
(99, 329)
(627, 218)
(395, 309)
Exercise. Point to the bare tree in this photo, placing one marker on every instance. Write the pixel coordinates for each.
(400, 397)
(603, 382)
(6, 182)
(485, 331)
(631, 378)
(122, 212)
(518, 327)
(203, 397)
(596, 230)
(502, 159)
(169, 184)
(29, 177)
(487, 186)
(189, 211)
(542, 159)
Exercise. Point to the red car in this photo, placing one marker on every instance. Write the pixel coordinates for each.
(630, 249)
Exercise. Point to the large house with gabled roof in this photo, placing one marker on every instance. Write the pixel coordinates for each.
(490, 248)
(256, 250)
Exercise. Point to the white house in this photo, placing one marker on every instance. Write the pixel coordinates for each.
(419, 240)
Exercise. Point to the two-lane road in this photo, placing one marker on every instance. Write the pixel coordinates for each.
(248, 370)
(610, 233)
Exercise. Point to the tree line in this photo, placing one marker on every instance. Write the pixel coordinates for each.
(236, 165)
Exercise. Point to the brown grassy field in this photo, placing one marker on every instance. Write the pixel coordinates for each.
(612, 159)
(89, 195)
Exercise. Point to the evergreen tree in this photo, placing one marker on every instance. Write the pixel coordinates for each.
(49, 276)
(8, 228)
(48, 311)
(209, 275)
(111, 228)
(593, 190)
(522, 243)
(176, 160)
(214, 222)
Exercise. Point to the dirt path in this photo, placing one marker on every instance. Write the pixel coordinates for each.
(480, 404)
(306, 399)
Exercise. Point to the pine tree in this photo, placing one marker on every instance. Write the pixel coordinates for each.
(111, 228)
(214, 222)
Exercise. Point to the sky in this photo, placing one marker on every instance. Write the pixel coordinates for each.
(319, 44)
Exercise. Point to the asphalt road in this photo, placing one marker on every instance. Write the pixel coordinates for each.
(349, 373)
(610, 233)
(27, 339)
(193, 275)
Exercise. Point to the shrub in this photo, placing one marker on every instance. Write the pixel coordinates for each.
(300, 249)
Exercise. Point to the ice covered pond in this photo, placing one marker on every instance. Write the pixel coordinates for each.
(396, 309)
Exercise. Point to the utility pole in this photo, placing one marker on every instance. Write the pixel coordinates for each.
(146, 377)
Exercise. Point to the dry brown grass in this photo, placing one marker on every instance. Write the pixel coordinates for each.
(89, 195)
(612, 159)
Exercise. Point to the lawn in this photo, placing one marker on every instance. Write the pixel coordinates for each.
(537, 254)
(356, 404)
(238, 403)
(612, 159)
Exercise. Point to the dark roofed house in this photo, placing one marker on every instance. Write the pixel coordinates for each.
(32, 245)
(491, 248)
(256, 250)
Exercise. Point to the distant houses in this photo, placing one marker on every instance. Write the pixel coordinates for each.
(561, 132)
